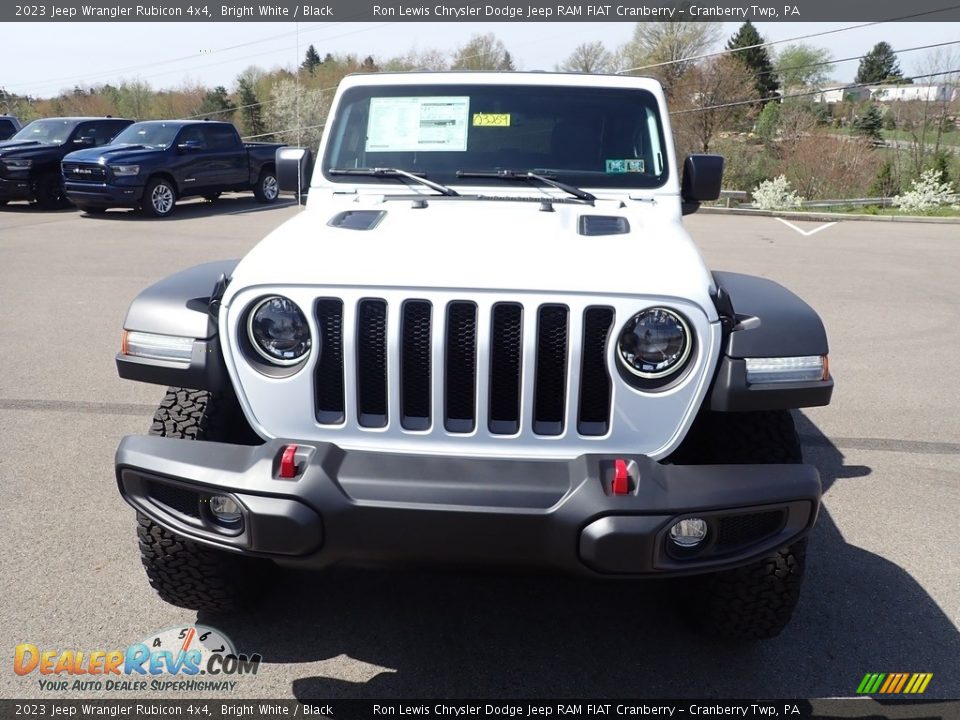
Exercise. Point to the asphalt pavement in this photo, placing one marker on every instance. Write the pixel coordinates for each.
(882, 592)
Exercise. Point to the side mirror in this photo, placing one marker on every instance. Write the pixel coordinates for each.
(189, 146)
(294, 168)
(85, 141)
(702, 177)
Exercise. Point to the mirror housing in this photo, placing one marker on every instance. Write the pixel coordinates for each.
(188, 146)
(294, 169)
(702, 178)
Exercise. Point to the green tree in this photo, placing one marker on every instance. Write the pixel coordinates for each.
(885, 183)
(311, 60)
(592, 57)
(880, 65)
(483, 52)
(216, 104)
(769, 122)
(757, 59)
(668, 47)
(802, 66)
(869, 123)
(251, 111)
(941, 163)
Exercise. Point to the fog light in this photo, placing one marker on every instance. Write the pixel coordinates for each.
(225, 509)
(689, 532)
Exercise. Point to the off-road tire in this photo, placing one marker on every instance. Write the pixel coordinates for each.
(50, 193)
(756, 601)
(159, 198)
(267, 189)
(183, 572)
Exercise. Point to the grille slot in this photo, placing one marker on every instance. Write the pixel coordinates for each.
(372, 363)
(736, 531)
(549, 398)
(176, 498)
(415, 353)
(461, 367)
(329, 372)
(506, 364)
(595, 386)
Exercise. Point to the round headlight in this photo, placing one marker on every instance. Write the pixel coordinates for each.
(278, 331)
(654, 343)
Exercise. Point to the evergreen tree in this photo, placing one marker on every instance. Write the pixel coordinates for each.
(311, 60)
(369, 65)
(216, 104)
(870, 123)
(250, 109)
(756, 58)
(880, 65)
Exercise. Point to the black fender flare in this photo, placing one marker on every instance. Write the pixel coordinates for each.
(185, 305)
(763, 319)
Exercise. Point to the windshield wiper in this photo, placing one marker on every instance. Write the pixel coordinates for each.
(395, 172)
(527, 175)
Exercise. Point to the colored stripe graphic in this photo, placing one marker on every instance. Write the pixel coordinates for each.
(894, 683)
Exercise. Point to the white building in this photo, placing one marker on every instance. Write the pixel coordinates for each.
(831, 95)
(904, 93)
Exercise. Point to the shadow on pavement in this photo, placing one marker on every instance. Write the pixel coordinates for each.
(419, 634)
(195, 208)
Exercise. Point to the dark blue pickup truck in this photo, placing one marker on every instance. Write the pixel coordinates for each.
(151, 165)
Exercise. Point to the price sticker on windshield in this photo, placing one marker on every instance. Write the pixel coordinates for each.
(491, 119)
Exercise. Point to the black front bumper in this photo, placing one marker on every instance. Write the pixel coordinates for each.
(102, 194)
(361, 507)
(16, 189)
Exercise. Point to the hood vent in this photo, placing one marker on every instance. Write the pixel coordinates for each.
(357, 219)
(603, 225)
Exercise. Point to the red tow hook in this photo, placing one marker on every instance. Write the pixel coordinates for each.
(288, 462)
(621, 478)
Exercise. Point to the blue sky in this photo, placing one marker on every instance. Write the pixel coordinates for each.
(167, 54)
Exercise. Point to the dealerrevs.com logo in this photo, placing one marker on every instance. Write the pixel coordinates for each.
(190, 658)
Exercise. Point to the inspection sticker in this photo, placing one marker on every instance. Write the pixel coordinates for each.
(625, 166)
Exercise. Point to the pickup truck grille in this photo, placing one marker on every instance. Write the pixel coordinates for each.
(84, 172)
(474, 391)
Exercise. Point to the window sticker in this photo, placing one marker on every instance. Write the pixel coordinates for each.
(625, 166)
(418, 124)
(491, 119)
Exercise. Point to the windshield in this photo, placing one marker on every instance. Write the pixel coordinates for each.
(152, 134)
(50, 132)
(594, 137)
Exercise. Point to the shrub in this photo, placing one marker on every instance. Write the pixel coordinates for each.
(775, 194)
(927, 193)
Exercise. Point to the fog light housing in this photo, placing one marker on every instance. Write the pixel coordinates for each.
(689, 532)
(225, 510)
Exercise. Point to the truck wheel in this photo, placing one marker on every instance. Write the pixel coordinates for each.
(756, 601)
(182, 572)
(267, 189)
(50, 194)
(159, 198)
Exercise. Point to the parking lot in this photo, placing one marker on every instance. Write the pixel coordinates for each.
(882, 592)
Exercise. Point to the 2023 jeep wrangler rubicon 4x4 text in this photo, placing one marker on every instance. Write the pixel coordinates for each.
(488, 339)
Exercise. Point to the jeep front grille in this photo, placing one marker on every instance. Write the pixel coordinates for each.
(504, 372)
(471, 372)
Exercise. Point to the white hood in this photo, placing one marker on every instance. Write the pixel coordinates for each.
(484, 245)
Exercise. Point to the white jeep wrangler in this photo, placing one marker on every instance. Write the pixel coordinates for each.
(488, 339)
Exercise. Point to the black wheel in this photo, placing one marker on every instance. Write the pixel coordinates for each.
(50, 194)
(159, 198)
(91, 209)
(755, 601)
(183, 572)
(267, 189)
(212, 197)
